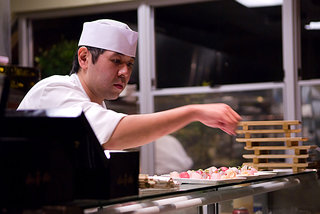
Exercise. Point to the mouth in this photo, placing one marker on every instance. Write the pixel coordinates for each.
(118, 86)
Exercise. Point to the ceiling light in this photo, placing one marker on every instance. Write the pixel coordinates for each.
(260, 3)
(313, 26)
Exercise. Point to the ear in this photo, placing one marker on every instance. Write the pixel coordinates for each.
(83, 57)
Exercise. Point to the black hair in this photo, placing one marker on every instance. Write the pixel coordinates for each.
(95, 52)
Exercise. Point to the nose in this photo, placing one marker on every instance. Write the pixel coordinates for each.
(124, 71)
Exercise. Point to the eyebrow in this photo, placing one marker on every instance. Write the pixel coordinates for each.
(116, 53)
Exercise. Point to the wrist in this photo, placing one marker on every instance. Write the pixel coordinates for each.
(192, 112)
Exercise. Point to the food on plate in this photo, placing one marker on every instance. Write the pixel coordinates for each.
(214, 173)
(247, 170)
(212, 169)
(229, 173)
(174, 174)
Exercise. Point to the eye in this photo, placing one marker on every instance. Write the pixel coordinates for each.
(130, 65)
(116, 61)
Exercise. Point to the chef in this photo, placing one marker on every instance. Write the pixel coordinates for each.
(101, 70)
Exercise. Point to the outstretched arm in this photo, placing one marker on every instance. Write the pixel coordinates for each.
(136, 130)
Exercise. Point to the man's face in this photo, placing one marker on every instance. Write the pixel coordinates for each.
(107, 78)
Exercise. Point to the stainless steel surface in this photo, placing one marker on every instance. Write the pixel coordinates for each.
(193, 196)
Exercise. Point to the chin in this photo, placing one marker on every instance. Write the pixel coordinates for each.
(112, 97)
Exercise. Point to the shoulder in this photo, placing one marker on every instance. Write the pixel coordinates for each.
(54, 91)
(61, 87)
(57, 80)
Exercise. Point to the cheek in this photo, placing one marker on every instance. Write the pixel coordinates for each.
(105, 79)
(129, 76)
(130, 73)
(104, 74)
(102, 80)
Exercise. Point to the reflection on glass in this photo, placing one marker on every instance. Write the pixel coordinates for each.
(311, 113)
(217, 42)
(310, 51)
(207, 146)
(57, 35)
(175, 160)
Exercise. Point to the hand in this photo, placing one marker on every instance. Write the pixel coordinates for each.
(219, 116)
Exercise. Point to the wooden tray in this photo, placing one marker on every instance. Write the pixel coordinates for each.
(258, 134)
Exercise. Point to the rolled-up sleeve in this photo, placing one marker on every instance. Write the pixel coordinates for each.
(103, 121)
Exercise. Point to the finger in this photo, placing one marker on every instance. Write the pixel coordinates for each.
(235, 114)
(230, 118)
(228, 129)
(236, 117)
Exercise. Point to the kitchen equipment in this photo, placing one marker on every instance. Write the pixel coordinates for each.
(52, 157)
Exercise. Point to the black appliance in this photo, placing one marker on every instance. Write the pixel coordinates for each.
(52, 157)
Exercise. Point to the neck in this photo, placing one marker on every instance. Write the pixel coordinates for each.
(89, 93)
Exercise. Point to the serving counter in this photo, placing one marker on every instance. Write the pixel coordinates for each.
(57, 172)
(286, 192)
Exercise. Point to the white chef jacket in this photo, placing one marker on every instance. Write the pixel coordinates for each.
(67, 92)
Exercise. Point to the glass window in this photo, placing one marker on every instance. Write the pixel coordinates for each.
(55, 43)
(310, 43)
(217, 42)
(310, 103)
(5, 27)
(310, 55)
(311, 113)
(206, 146)
(56, 40)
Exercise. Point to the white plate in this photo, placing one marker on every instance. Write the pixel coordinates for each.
(248, 176)
(282, 170)
(263, 174)
(207, 181)
(267, 171)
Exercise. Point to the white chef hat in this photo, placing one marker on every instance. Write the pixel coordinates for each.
(109, 35)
